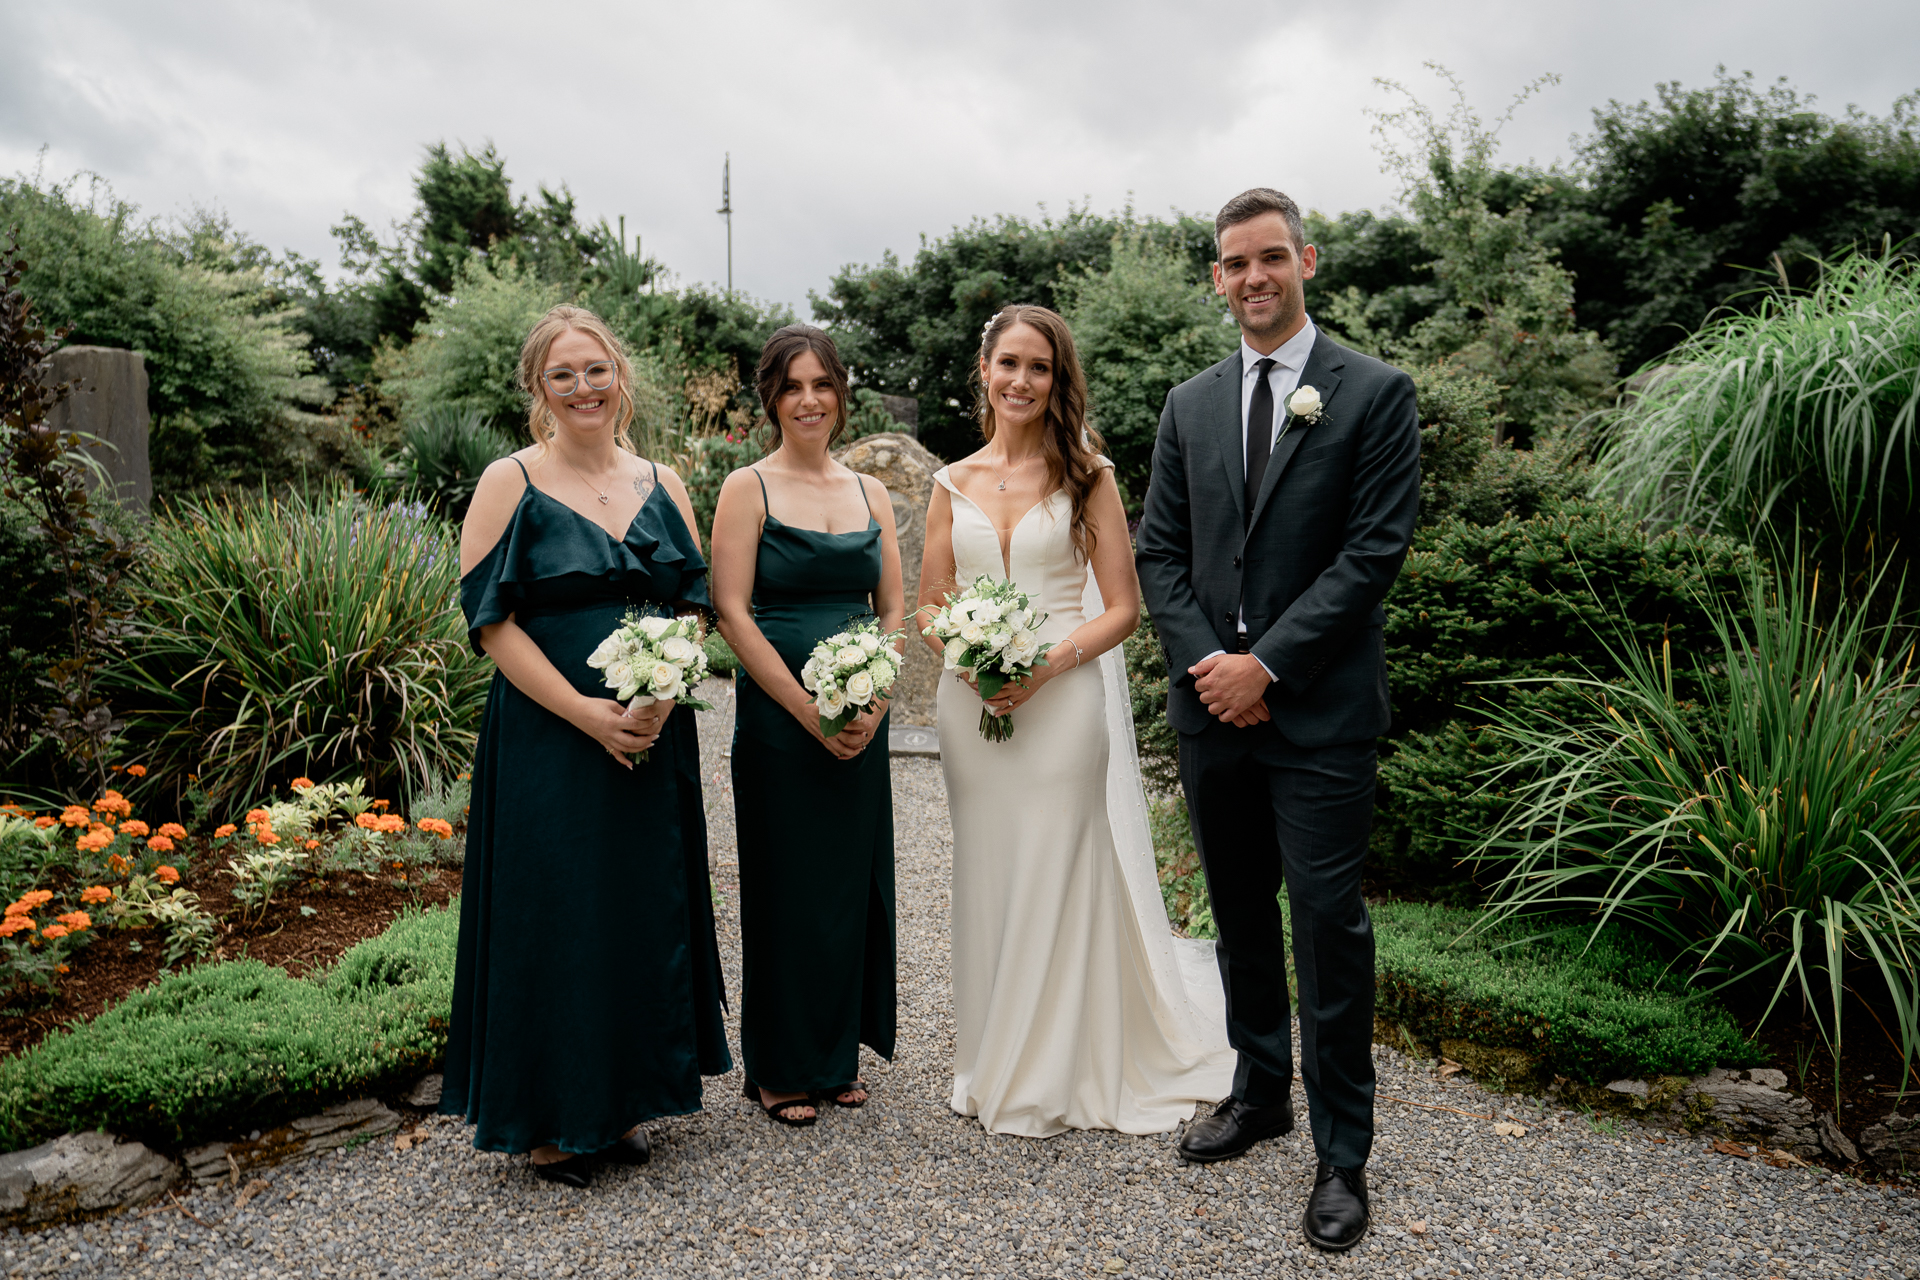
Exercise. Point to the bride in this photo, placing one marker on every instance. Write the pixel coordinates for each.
(1075, 1008)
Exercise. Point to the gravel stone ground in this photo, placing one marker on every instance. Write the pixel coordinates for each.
(904, 1187)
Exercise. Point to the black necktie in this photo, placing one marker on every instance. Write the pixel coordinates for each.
(1259, 431)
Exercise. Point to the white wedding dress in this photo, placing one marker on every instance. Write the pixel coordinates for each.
(1075, 1006)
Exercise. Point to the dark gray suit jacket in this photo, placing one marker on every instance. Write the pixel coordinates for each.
(1326, 538)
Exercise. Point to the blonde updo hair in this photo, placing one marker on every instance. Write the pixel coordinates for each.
(533, 363)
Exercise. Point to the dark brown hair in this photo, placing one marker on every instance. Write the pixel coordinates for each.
(1253, 202)
(779, 353)
(1070, 445)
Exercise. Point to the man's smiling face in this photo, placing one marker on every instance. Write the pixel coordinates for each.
(1263, 274)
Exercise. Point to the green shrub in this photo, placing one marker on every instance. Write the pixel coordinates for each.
(312, 636)
(444, 450)
(239, 1044)
(1593, 1007)
(721, 659)
(466, 355)
(1805, 414)
(1769, 838)
(1182, 883)
(1552, 595)
(1157, 741)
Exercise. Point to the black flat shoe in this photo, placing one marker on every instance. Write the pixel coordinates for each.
(571, 1172)
(1232, 1130)
(751, 1092)
(634, 1148)
(1336, 1218)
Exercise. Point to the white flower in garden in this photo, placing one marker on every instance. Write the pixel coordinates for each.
(678, 650)
(956, 650)
(870, 642)
(973, 633)
(860, 688)
(1023, 646)
(1304, 403)
(851, 655)
(654, 628)
(831, 702)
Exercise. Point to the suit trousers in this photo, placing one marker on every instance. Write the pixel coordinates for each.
(1268, 814)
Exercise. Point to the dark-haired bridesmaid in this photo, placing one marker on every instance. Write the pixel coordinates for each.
(802, 546)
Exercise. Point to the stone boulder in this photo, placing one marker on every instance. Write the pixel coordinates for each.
(79, 1175)
(904, 466)
(349, 1123)
(1749, 1105)
(110, 404)
(1894, 1143)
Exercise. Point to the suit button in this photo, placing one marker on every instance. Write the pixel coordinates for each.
(1236, 562)
(1227, 616)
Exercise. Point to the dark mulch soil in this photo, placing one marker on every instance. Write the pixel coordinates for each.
(1869, 1069)
(346, 909)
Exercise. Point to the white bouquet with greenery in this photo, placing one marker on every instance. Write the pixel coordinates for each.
(992, 633)
(849, 671)
(648, 659)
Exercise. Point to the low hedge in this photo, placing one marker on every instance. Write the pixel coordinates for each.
(241, 1045)
(1592, 1013)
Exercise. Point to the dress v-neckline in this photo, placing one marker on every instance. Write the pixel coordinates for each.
(611, 537)
(1006, 548)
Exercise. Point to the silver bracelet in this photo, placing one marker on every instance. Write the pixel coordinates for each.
(1079, 654)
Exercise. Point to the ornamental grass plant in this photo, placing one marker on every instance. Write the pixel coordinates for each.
(1767, 834)
(311, 635)
(1808, 409)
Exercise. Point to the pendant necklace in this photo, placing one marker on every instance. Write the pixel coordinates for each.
(1023, 462)
(604, 498)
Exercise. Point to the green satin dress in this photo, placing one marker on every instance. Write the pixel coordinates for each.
(587, 993)
(816, 835)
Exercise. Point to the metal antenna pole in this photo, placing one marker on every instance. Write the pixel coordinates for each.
(726, 211)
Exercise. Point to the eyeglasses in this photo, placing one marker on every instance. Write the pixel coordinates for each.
(598, 377)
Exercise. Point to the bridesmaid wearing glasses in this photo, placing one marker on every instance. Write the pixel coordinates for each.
(802, 545)
(587, 992)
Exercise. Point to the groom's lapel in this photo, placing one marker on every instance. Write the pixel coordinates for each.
(1226, 416)
(1321, 373)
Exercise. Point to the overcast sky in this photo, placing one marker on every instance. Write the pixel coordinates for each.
(854, 127)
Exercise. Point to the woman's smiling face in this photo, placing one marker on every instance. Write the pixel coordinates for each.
(808, 402)
(583, 408)
(1019, 376)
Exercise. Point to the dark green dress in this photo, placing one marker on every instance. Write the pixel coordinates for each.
(587, 995)
(816, 835)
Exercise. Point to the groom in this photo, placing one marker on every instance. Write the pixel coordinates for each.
(1285, 483)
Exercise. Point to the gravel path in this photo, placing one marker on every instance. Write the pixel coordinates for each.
(905, 1188)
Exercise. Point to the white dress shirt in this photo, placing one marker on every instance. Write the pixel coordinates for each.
(1290, 361)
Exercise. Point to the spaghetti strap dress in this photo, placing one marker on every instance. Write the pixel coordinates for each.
(816, 834)
(587, 991)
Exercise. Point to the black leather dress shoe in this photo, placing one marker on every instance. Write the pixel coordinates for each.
(635, 1148)
(1233, 1128)
(1336, 1218)
(571, 1172)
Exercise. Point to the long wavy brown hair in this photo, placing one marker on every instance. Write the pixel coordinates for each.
(1068, 442)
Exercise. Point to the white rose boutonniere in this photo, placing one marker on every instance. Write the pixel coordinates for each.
(1305, 404)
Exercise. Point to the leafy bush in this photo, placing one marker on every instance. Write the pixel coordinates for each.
(1593, 1006)
(1562, 593)
(239, 1044)
(1182, 882)
(1157, 742)
(1767, 838)
(444, 450)
(311, 636)
(467, 352)
(1805, 414)
(721, 659)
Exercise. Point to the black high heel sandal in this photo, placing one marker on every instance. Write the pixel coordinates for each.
(634, 1148)
(751, 1092)
(833, 1095)
(572, 1172)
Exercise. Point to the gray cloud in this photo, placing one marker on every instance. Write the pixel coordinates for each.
(854, 127)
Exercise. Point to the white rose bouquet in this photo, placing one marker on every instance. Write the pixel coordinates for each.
(992, 632)
(848, 671)
(648, 659)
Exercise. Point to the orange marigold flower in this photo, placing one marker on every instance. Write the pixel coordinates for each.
(381, 804)
(75, 815)
(14, 924)
(265, 835)
(43, 822)
(437, 826)
(13, 809)
(173, 831)
(224, 830)
(31, 901)
(94, 841)
(96, 893)
(119, 864)
(54, 931)
(60, 968)
(76, 920)
(113, 802)
(312, 844)
(160, 844)
(135, 828)
(366, 820)
(166, 875)
(464, 777)
(302, 784)
(257, 815)
(137, 770)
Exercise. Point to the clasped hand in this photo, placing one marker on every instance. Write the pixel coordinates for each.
(621, 731)
(1233, 686)
(1012, 694)
(854, 737)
